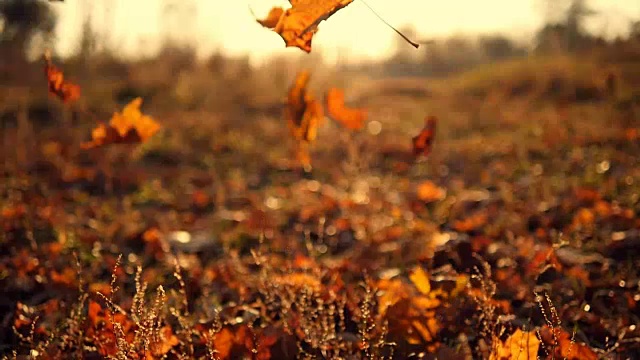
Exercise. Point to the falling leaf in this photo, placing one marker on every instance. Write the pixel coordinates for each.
(130, 126)
(298, 24)
(65, 91)
(520, 345)
(303, 113)
(272, 19)
(351, 118)
(422, 143)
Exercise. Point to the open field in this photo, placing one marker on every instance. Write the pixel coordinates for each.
(517, 236)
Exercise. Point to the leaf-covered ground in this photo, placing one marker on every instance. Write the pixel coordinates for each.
(517, 236)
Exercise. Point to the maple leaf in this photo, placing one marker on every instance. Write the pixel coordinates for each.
(130, 126)
(65, 91)
(422, 142)
(350, 118)
(298, 24)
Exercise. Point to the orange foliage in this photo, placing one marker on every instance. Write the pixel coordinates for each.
(422, 142)
(303, 115)
(65, 91)
(298, 24)
(560, 344)
(228, 344)
(471, 223)
(130, 126)
(421, 280)
(411, 314)
(429, 192)
(520, 345)
(351, 118)
(103, 332)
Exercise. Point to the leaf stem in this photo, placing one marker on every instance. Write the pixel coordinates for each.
(415, 44)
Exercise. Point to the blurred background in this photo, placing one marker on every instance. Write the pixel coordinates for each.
(187, 57)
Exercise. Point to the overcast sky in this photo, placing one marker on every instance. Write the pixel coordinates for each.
(135, 27)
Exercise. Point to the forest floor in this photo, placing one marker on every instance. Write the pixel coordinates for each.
(517, 236)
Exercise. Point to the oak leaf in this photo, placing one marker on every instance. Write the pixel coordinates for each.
(351, 118)
(423, 142)
(130, 126)
(65, 91)
(298, 24)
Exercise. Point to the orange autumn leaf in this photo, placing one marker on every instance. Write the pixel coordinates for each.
(520, 345)
(414, 319)
(165, 341)
(471, 223)
(420, 279)
(562, 345)
(66, 277)
(101, 329)
(272, 18)
(423, 142)
(223, 342)
(229, 344)
(391, 291)
(65, 91)
(298, 280)
(298, 24)
(429, 192)
(303, 113)
(351, 118)
(130, 126)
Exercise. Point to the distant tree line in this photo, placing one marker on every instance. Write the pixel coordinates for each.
(561, 33)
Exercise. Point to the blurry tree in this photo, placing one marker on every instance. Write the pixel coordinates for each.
(88, 43)
(567, 34)
(178, 22)
(634, 31)
(22, 21)
(405, 57)
(497, 47)
(435, 59)
(462, 53)
(575, 18)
